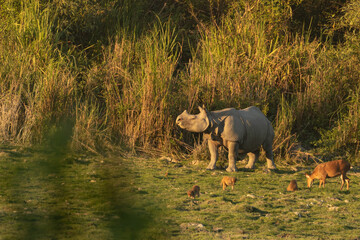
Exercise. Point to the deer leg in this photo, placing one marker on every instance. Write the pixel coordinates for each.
(347, 180)
(344, 179)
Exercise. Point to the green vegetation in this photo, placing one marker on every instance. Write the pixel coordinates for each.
(66, 196)
(120, 71)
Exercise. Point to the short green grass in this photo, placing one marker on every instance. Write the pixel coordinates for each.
(70, 196)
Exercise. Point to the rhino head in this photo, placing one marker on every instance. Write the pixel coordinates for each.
(193, 123)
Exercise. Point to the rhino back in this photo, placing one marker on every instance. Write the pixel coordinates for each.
(225, 112)
(258, 128)
(231, 127)
(249, 127)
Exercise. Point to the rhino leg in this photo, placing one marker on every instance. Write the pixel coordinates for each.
(233, 148)
(213, 148)
(253, 157)
(269, 156)
(270, 160)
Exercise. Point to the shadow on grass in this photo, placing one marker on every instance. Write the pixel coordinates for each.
(224, 169)
(251, 209)
(225, 199)
(282, 171)
(246, 170)
(346, 192)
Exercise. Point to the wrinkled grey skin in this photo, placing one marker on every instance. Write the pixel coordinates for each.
(240, 131)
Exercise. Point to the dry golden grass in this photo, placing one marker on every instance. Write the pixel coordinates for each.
(126, 90)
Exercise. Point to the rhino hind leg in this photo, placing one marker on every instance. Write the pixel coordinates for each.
(253, 157)
(213, 148)
(269, 158)
(233, 152)
(270, 164)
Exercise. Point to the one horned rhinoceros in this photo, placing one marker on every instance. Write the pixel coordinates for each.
(241, 131)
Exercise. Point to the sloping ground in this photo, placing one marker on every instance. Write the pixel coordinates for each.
(61, 196)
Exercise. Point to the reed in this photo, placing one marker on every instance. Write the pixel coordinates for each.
(121, 71)
(136, 83)
(34, 74)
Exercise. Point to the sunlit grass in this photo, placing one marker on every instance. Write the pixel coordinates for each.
(122, 73)
(46, 195)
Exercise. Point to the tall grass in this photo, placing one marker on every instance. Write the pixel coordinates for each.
(230, 64)
(345, 134)
(36, 81)
(121, 75)
(135, 86)
(343, 137)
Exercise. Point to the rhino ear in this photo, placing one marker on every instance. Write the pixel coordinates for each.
(203, 115)
(200, 109)
(203, 108)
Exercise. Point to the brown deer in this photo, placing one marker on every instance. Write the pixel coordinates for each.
(292, 186)
(228, 181)
(194, 192)
(329, 170)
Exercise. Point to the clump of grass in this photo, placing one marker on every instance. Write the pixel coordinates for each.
(137, 82)
(285, 140)
(224, 69)
(344, 137)
(34, 73)
(123, 70)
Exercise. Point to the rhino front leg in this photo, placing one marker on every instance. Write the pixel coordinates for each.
(213, 148)
(233, 152)
(253, 157)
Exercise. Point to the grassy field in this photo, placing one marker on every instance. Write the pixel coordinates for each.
(44, 195)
